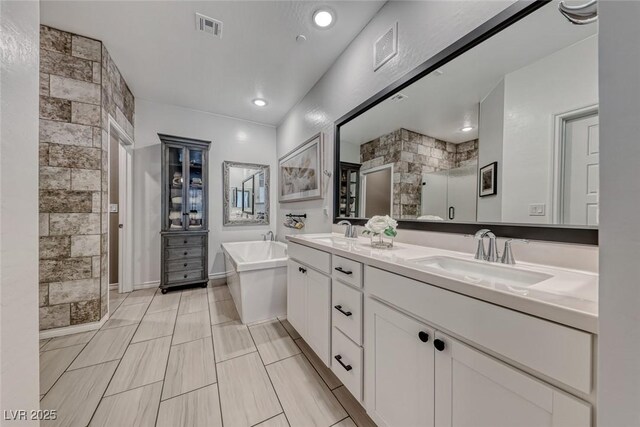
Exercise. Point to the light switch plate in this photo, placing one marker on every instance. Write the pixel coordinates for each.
(537, 209)
(113, 208)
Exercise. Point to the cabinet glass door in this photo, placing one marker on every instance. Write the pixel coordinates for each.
(195, 202)
(175, 183)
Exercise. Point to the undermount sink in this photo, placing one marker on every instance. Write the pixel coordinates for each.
(331, 239)
(480, 272)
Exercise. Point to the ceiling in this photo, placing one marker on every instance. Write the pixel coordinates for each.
(440, 105)
(164, 59)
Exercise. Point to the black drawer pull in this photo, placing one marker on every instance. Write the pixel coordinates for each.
(302, 270)
(439, 345)
(343, 271)
(339, 308)
(186, 253)
(185, 242)
(339, 359)
(185, 276)
(185, 264)
(424, 337)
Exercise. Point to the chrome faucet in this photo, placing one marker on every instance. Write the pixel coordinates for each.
(350, 232)
(270, 235)
(492, 254)
(507, 254)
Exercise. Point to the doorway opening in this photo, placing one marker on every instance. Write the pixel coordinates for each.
(577, 168)
(120, 208)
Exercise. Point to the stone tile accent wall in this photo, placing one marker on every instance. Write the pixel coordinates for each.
(73, 169)
(412, 155)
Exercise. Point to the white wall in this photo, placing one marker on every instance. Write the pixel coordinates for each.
(424, 28)
(350, 153)
(619, 339)
(490, 147)
(232, 139)
(19, 38)
(533, 95)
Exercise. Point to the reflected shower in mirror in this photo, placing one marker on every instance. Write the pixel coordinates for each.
(246, 193)
(507, 132)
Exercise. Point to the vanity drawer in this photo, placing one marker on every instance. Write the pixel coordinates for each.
(314, 258)
(346, 303)
(183, 253)
(178, 276)
(346, 363)
(185, 265)
(181, 241)
(347, 271)
(554, 350)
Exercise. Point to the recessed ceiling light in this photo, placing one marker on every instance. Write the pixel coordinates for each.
(260, 102)
(323, 18)
(467, 129)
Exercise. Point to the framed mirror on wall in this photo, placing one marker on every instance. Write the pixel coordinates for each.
(499, 130)
(246, 193)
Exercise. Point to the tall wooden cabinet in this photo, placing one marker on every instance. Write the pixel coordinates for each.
(184, 212)
(349, 189)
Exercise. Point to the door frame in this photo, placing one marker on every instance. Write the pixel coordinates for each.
(125, 214)
(558, 158)
(363, 183)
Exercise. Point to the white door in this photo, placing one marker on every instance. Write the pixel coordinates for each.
(319, 314)
(297, 297)
(475, 390)
(461, 194)
(581, 171)
(399, 368)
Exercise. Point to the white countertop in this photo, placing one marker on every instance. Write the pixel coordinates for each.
(569, 297)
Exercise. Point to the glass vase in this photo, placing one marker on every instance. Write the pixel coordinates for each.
(381, 241)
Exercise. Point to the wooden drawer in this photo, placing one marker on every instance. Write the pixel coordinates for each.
(347, 271)
(314, 258)
(347, 311)
(178, 276)
(181, 241)
(185, 265)
(557, 351)
(346, 363)
(183, 253)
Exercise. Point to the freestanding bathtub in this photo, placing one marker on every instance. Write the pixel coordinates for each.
(257, 278)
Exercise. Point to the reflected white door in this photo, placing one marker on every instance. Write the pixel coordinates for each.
(581, 171)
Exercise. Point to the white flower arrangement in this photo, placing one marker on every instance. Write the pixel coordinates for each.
(381, 225)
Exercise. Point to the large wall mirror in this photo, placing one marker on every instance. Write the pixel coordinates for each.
(504, 133)
(246, 193)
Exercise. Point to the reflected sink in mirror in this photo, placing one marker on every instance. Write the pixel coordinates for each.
(481, 273)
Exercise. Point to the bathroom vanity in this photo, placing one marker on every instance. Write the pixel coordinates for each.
(428, 337)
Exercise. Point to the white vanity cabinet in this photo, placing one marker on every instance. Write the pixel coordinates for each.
(309, 297)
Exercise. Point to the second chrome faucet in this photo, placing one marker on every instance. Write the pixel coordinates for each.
(491, 254)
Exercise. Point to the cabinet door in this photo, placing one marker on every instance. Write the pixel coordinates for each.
(399, 368)
(476, 390)
(174, 193)
(319, 314)
(195, 185)
(297, 297)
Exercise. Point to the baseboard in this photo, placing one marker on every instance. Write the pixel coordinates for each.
(147, 285)
(113, 286)
(74, 329)
(218, 279)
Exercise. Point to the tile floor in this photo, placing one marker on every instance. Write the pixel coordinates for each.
(184, 359)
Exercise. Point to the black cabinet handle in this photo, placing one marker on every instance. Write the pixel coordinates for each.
(185, 276)
(185, 253)
(185, 242)
(339, 308)
(302, 270)
(424, 337)
(438, 344)
(339, 359)
(185, 264)
(343, 271)
(452, 212)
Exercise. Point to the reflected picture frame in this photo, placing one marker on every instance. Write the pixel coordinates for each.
(488, 180)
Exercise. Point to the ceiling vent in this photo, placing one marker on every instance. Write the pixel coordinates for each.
(209, 25)
(386, 47)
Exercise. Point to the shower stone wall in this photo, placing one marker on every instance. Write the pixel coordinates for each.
(412, 155)
(80, 87)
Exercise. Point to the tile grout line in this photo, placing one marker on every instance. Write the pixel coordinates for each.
(348, 416)
(120, 360)
(270, 418)
(164, 377)
(215, 362)
(269, 376)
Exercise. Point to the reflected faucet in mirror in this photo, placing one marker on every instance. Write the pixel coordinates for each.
(350, 231)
